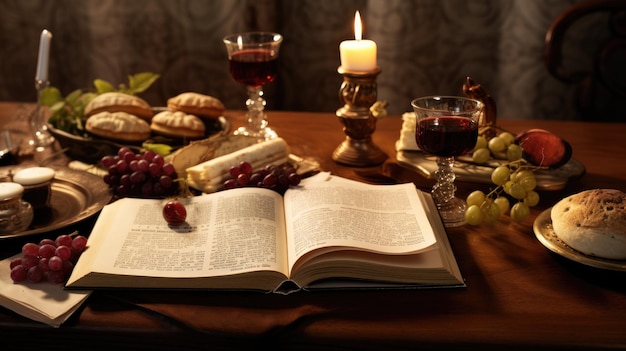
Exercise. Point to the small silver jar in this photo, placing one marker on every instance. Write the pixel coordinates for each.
(15, 214)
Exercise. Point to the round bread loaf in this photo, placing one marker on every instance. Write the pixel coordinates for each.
(177, 124)
(593, 222)
(118, 126)
(119, 102)
(203, 106)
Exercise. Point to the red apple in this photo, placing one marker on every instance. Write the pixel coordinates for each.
(544, 148)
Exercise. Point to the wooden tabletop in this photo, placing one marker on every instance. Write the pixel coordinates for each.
(519, 295)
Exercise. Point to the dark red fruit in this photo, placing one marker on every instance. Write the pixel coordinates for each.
(174, 212)
(544, 148)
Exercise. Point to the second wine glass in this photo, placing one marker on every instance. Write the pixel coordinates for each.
(253, 61)
(447, 126)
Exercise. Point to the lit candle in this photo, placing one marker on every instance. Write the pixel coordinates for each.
(359, 54)
(44, 54)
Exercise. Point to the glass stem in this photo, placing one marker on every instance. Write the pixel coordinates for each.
(255, 116)
(444, 189)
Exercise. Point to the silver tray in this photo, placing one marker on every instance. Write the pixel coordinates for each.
(546, 236)
(467, 171)
(76, 196)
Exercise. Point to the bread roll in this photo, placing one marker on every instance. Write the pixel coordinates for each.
(119, 102)
(593, 222)
(118, 126)
(177, 124)
(203, 106)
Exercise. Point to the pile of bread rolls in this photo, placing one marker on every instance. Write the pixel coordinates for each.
(593, 222)
(128, 118)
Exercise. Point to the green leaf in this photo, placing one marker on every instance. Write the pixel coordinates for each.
(102, 86)
(140, 82)
(50, 96)
(161, 149)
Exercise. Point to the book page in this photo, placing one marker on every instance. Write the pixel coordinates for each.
(237, 231)
(340, 213)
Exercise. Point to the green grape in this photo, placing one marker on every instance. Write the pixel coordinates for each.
(491, 211)
(496, 144)
(473, 215)
(519, 212)
(517, 191)
(481, 143)
(526, 179)
(481, 155)
(532, 198)
(507, 137)
(513, 152)
(500, 175)
(476, 197)
(507, 186)
(503, 204)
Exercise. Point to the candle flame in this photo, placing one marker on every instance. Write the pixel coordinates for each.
(358, 26)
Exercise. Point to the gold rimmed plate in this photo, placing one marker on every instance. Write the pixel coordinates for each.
(546, 236)
(75, 196)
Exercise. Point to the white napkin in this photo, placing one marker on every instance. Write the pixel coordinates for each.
(43, 302)
(407, 133)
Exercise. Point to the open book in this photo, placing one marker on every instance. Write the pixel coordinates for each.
(330, 232)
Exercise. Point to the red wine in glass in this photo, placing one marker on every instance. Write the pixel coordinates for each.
(254, 67)
(446, 136)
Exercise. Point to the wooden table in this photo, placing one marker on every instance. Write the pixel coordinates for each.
(519, 295)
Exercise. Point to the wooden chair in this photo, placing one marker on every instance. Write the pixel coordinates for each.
(600, 91)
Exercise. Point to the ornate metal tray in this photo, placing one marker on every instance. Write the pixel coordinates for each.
(76, 196)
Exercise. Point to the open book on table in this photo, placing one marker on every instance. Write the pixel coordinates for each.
(330, 232)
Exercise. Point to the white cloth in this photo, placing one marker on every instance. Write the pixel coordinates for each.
(43, 302)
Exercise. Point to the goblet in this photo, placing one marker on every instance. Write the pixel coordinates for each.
(253, 61)
(447, 126)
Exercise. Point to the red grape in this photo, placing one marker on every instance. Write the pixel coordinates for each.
(174, 212)
(64, 252)
(55, 263)
(34, 274)
(79, 243)
(18, 273)
(47, 250)
(30, 249)
(64, 240)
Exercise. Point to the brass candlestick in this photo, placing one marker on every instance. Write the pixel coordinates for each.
(358, 92)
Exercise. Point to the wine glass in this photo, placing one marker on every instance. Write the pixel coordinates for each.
(447, 126)
(253, 61)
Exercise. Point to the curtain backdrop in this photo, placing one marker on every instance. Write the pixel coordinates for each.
(425, 47)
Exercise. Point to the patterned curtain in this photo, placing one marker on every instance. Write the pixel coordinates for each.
(425, 47)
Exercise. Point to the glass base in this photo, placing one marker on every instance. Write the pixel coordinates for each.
(263, 134)
(453, 213)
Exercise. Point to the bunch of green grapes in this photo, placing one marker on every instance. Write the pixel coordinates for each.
(515, 180)
(500, 146)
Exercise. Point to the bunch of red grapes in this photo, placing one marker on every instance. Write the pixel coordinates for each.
(51, 260)
(275, 177)
(144, 175)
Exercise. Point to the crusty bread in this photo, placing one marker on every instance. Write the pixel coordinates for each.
(593, 222)
(118, 126)
(119, 102)
(177, 124)
(203, 106)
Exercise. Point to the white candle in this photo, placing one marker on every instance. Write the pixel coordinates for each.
(358, 54)
(44, 54)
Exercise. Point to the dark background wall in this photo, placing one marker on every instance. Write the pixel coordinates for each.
(425, 47)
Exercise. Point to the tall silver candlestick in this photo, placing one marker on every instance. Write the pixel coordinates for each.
(41, 136)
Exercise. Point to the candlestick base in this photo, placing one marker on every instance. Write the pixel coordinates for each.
(41, 137)
(358, 92)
